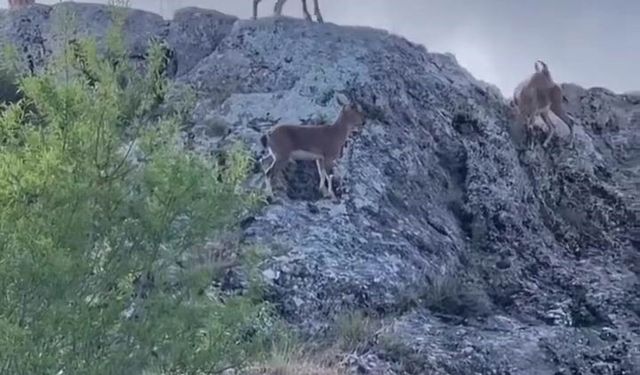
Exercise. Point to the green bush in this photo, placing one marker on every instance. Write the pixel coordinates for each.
(99, 201)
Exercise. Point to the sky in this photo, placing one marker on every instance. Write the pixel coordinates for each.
(587, 42)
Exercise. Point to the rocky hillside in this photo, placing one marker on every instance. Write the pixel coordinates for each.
(475, 257)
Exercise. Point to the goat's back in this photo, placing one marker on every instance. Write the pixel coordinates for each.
(317, 139)
(533, 94)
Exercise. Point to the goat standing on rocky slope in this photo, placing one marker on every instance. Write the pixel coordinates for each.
(536, 96)
(277, 9)
(17, 4)
(322, 143)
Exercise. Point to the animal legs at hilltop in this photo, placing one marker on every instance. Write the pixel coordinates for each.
(17, 4)
(277, 9)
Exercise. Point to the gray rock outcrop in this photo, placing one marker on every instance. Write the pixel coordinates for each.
(480, 258)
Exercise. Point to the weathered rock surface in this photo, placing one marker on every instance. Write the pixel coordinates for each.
(480, 259)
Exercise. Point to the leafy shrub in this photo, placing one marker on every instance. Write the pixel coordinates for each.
(98, 202)
(354, 331)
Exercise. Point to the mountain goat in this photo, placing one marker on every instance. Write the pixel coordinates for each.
(322, 143)
(538, 95)
(277, 10)
(17, 4)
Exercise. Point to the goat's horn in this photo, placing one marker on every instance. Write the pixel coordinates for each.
(544, 66)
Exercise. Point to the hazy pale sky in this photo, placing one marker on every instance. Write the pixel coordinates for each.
(588, 42)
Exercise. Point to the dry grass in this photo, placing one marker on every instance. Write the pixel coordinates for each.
(353, 331)
(296, 361)
(450, 294)
(294, 368)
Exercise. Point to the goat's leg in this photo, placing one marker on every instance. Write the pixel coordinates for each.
(569, 122)
(332, 194)
(528, 136)
(565, 118)
(546, 141)
(571, 133)
(267, 180)
(269, 168)
(327, 165)
(531, 131)
(328, 191)
(316, 11)
(558, 109)
(550, 126)
(277, 9)
(322, 175)
(267, 183)
(268, 187)
(305, 11)
(268, 155)
(262, 159)
(255, 8)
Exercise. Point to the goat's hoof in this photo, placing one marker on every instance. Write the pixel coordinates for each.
(332, 196)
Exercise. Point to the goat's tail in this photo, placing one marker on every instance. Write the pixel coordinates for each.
(264, 140)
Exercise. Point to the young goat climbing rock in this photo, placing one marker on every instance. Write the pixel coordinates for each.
(322, 143)
(538, 95)
(17, 4)
(277, 9)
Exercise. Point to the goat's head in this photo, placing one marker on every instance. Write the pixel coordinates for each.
(352, 113)
(542, 68)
